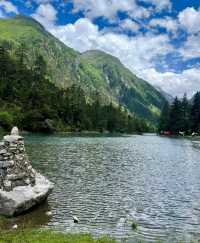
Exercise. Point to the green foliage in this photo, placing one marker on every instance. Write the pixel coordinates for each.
(6, 120)
(93, 71)
(34, 236)
(181, 116)
(195, 113)
(33, 103)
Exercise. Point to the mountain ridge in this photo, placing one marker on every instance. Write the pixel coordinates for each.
(95, 71)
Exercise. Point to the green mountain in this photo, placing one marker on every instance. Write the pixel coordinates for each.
(94, 71)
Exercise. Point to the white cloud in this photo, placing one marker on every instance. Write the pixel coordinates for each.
(170, 24)
(191, 48)
(46, 15)
(109, 9)
(129, 25)
(175, 83)
(8, 7)
(46, 11)
(160, 4)
(81, 35)
(190, 19)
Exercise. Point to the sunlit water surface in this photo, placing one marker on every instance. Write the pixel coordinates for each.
(110, 182)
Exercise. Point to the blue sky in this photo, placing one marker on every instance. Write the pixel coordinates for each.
(159, 40)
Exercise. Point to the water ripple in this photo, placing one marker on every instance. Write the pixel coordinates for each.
(110, 182)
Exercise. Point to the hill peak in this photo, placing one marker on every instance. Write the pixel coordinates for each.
(26, 20)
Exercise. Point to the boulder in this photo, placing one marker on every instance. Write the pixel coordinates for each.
(22, 198)
(21, 187)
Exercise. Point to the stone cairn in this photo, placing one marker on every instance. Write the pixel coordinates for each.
(15, 167)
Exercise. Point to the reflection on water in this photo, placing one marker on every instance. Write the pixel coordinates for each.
(108, 182)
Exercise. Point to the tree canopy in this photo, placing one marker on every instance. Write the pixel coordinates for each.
(181, 116)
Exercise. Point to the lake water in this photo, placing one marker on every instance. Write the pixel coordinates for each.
(109, 182)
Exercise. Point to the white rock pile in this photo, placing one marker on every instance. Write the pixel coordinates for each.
(21, 187)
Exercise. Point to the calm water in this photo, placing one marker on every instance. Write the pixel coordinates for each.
(108, 182)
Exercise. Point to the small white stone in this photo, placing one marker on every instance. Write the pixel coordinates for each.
(76, 220)
(15, 226)
(3, 151)
(48, 213)
(29, 167)
(27, 181)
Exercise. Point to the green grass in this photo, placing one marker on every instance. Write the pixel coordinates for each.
(45, 236)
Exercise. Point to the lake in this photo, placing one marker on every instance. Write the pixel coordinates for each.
(110, 182)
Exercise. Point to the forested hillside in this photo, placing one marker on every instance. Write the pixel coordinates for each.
(29, 100)
(94, 72)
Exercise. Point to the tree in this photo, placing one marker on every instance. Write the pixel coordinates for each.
(164, 118)
(195, 113)
(35, 104)
(185, 125)
(175, 118)
(40, 68)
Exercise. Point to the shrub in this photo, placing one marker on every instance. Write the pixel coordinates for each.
(6, 120)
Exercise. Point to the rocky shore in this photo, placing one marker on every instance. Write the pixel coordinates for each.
(21, 187)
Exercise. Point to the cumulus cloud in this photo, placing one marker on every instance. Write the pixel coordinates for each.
(8, 7)
(190, 19)
(191, 48)
(160, 4)
(129, 25)
(175, 83)
(170, 24)
(109, 9)
(46, 15)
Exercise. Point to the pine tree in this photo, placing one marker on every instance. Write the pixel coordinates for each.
(175, 118)
(185, 114)
(164, 118)
(195, 113)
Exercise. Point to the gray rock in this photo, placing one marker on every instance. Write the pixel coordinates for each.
(12, 138)
(14, 177)
(7, 185)
(22, 198)
(21, 187)
(3, 151)
(6, 164)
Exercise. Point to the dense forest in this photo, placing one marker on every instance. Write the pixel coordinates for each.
(30, 101)
(182, 115)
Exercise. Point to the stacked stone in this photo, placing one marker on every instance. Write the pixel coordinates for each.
(15, 167)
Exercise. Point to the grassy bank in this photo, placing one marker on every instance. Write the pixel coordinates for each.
(36, 236)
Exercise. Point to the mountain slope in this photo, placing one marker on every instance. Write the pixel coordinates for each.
(130, 91)
(61, 59)
(95, 71)
(167, 96)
